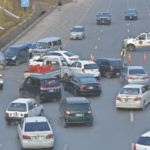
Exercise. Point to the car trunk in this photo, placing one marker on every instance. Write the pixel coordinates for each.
(91, 68)
(128, 98)
(138, 78)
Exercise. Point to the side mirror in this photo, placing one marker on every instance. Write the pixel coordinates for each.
(50, 121)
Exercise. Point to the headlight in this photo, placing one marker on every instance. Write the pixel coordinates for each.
(13, 58)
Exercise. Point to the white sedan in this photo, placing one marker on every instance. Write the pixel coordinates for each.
(1, 82)
(35, 133)
(70, 57)
(133, 96)
(143, 142)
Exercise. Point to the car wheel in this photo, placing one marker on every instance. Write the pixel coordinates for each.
(17, 63)
(21, 94)
(64, 124)
(8, 123)
(108, 75)
(65, 87)
(60, 115)
(131, 47)
(38, 99)
(41, 113)
(91, 124)
(143, 105)
(75, 92)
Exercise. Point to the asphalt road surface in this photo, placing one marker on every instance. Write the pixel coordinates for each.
(112, 129)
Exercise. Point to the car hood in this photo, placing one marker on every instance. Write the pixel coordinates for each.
(76, 33)
(130, 14)
(9, 55)
(102, 17)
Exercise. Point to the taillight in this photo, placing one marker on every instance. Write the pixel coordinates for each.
(137, 99)
(90, 112)
(7, 115)
(49, 136)
(83, 70)
(82, 86)
(67, 112)
(99, 85)
(72, 59)
(130, 78)
(99, 69)
(118, 98)
(1, 77)
(42, 88)
(25, 115)
(145, 77)
(111, 68)
(26, 137)
(134, 147)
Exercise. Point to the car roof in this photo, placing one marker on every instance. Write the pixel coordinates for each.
(53, 56)
(86, 62)
(78, 27)
(83, 76)
(110, 59)
(18, 46)
(133, 86)
(135, 67)
(42, 77)
(147, 134)
(59, 51)
(131, 9)
(71, 100)
(49, 39)
(22, 100)
(35, 119)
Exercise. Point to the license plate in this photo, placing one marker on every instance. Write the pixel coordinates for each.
(117, 74)
(79, 115)
(51, 90)
(91, 87)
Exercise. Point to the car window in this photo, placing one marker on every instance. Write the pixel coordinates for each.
(144, 141)
(30, 106)
(142, 37)
(49, 45)
(59, 42)
(11, 51)
(74, 64)
(116, 63)
(33, 82)
(36, 126)
(136, 71)
(17, 107)
(78, 106)
(69, 54)
(79, 65)
(54, 43)
(130, 91)
(144, 89)
(28, 82)
(77, 30)
(87, 80)
(50, 82)
(148, 36)
(41, 45)
(91, 66)
(57, 54)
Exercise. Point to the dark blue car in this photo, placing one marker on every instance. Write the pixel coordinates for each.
(103, 18)
(131, 14)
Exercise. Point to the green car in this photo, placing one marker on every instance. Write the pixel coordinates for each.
(75, 110)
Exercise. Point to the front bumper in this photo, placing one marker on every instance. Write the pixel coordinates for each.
(10, 61)
(13, 119)
(130, 17)
(103, 21)
(73, 37)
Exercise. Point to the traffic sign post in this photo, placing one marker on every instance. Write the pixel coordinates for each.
(25, 3)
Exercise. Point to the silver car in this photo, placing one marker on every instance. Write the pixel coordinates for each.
(134, 75)
(77, 32)
(2, 61)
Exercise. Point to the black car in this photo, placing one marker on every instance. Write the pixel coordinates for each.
(75, 110)
(82, 84)
(41, 87)
(131, 14)
(109, 67)
(16, 54)
(103, 18)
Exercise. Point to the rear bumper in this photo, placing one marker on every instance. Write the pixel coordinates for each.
(88, 92)
(128, 105)
(143, 83)
(75, 37)
(13, 119)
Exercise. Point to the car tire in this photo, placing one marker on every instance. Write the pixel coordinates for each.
(108, 75)
(131, 47)
(17, 62)
(65, 87)
(38, 99)
(91, 124)
(75, 92)
(143, 105)
(41, 112)
(21, 94)
(8, 123)
(64, 124)
(60, 115)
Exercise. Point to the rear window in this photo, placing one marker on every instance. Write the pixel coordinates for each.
(144, 141)
(78, 106)
(132, 91)
(136, 71)
(116, 63)
(91, 66)
(17, 107)
(36, 126)
(69, 54)
(87, 80)
(50, 83)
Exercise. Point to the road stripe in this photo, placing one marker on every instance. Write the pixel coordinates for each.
(99, 38)
(101, 30)
(128, 30)
(95, 47)
(65, 147)
(131, 116)
(127, 24)
(148, 10)
(132, 146)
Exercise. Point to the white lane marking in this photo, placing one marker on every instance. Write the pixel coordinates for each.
(131, 116)
(65, 147)
(149, 14)
(148, 10)
(101, 30)
(127, 24)
(107, 10)
(132, 146)
(95, 47)
(99, 38)
(0, 146)
(128, 30)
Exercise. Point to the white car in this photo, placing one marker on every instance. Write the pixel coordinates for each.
(35, 133)
(133, 96)
(70, 57)
(85, 66)
(143, 142)
(22, 108)
(1, 82)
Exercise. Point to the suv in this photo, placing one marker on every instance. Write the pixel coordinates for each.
(1, 82)
(103, 18)
(75, 110)
(17, 54)
(41, 87)
(22, 108)
(110, 67)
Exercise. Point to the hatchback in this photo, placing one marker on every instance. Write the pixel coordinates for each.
(35, 133)
(134, 75)
(75, 110)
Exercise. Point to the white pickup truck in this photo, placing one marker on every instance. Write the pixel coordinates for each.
(141, 41)
(59, 68)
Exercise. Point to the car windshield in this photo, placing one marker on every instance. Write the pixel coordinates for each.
(91, 66)
(36, 126)
(130, 11)
(50, 83)
(11, 51)
(40, 45)
(77, 30)
(103, 14)
(136, 71)
(144, 141)
(78, 106)
(87, 80)
(130, 91)
(69, 54)
(116, 63)
(17, 107)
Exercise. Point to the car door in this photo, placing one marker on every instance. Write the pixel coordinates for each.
(31, 109)
(79, 68)
(99, 63)
(64, 104)
(73, 84)
(140, 41)
(73, 68)
(24, 54)
(145, 94)
(37, 108)
(20, 58)
(148, 40)
(104, 67)
(27, 86)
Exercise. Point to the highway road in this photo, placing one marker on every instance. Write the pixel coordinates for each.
(112, 129)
